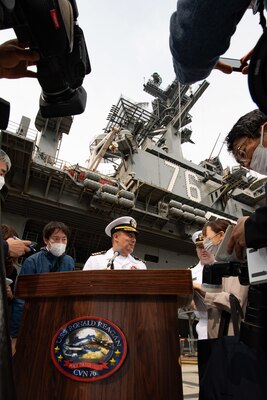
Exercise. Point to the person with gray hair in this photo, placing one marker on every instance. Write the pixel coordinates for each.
(12, 247)
(5, 158)
(5, 165)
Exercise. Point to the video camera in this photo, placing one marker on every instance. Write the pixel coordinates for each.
(251, 268)
(213, 274)
(253, 330)
(50, 28)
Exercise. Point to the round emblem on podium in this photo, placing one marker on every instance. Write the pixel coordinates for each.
(88, 349)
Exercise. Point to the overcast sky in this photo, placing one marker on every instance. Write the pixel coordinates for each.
(127, 42)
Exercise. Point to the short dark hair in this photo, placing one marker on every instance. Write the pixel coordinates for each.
(247, 126)
(52, 226)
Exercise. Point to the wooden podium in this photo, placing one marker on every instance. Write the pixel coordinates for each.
(142, 303)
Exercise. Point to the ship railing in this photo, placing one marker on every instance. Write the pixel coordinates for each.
(14, 128)
(75, 171)
(45, 159)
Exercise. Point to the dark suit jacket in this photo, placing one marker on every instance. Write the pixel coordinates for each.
(256, 229)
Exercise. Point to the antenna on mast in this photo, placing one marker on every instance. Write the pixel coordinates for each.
(221, 148)
(214, 146)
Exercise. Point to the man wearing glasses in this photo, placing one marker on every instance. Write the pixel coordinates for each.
(247, 141)
(51, 258)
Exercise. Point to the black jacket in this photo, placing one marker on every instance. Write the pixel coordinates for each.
(256, 229)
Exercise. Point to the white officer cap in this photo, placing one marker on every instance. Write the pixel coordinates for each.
(127, 224)
(197, 238)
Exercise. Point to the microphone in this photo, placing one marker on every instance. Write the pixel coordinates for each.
(111, 260)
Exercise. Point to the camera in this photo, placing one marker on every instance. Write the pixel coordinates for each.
(50, 28)
(213, 274)
(253, 329)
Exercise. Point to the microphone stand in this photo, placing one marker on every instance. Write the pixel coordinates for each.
(111, 260)
(111, 264)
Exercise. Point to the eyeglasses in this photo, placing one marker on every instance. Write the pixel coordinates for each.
(210, 238)
(240, 153)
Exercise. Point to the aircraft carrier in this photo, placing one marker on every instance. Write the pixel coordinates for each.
(149, 179)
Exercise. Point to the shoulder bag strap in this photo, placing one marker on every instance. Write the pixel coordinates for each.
(236, 311)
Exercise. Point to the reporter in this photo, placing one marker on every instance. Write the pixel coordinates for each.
(247, 141)
(51, 258)
(12, 247)
(219, 302)
(15, 59)
(200, 31)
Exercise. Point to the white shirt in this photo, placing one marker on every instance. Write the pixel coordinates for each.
(100, 261)
(202, 325)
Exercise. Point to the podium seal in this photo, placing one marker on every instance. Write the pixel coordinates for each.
(88, 349)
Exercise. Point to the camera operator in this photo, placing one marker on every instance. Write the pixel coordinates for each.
(15, 58)
(247, 141)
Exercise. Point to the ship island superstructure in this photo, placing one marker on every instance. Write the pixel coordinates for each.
(149, 179)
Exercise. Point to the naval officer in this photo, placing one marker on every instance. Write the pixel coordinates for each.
(123, 236)
(205, 257)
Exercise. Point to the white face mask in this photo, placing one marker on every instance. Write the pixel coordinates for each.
(209, 246)
(57, 249)
(259, 157)
(2, 181)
